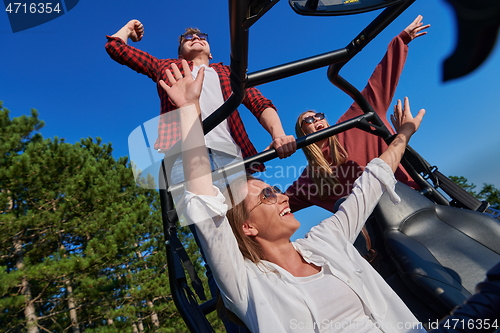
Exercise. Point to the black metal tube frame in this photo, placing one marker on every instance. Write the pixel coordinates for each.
(191, 312)
(356, 45)
(240, 80)
(356, 122)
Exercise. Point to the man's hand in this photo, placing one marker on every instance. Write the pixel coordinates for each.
(135, 30)
(415, 29)
(284, 145)
(183, 91)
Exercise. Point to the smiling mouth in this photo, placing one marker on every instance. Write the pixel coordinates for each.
(319, 126)
(285, 212)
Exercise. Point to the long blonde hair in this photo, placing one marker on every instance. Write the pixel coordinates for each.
(237, 215)
(320, 168)
(249, 247)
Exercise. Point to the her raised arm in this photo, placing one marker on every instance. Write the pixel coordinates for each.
(185, 93)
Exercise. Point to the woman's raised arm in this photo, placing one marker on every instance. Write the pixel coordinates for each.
(405, 125)
(185, 92)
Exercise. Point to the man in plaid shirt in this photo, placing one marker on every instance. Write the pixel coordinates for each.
(194, 47)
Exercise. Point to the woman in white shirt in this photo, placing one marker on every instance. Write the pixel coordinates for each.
(316, 284)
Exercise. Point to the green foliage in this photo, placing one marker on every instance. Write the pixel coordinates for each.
(462, 182)
(488, 193)
(76, 232)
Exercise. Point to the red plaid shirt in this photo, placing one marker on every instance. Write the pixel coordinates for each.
(168, 128)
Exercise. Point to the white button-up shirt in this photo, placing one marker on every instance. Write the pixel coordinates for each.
(270, 299)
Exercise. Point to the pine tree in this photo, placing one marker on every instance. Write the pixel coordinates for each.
(81, 246)
(491, 194)
(488, 193)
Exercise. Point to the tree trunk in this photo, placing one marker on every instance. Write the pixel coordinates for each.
(140, 324)
(72, 307)
(29, 309)
(154, 315)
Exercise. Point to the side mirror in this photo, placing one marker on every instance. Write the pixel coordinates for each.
(338, 7)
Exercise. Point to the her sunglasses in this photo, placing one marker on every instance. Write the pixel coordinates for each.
(268, 196)
(190, 36)
(310, 119)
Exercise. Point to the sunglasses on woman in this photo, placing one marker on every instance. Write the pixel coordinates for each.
(190, 36)
(310, 119)
(268, 196)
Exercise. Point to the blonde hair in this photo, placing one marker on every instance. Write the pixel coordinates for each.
(321, 169)
(248, 246)
(237, 215)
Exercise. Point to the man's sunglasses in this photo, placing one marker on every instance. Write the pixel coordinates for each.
(310, 119)
(190, 36)
(268, 196)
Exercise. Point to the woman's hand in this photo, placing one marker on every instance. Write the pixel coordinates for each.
(183, 90)
(405, 125)
(414, 30)
(403, 121)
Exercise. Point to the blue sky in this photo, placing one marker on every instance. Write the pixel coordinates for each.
(61, 69)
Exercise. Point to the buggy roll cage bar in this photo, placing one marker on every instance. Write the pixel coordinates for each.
(243, 14)
(336, 59)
